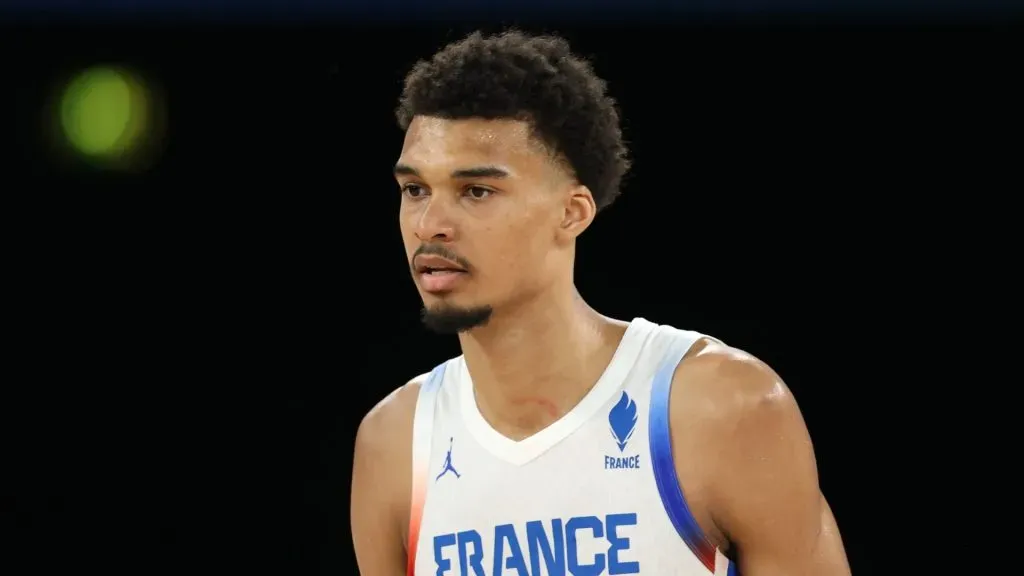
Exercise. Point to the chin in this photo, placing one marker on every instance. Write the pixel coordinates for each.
(450, 298)
(450, 318)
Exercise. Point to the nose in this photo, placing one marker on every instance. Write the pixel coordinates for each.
(435, 222)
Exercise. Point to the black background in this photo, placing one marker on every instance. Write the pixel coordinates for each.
(204, 337)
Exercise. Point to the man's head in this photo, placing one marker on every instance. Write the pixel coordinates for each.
(511, 148)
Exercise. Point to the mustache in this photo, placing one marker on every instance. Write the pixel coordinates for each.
(446, 253)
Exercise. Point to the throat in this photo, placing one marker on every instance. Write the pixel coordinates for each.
(519, 417)
(530, 368)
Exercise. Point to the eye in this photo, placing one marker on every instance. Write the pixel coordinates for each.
(413, 190)
(478, 193)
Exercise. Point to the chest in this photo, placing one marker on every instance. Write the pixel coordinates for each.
(588, 505)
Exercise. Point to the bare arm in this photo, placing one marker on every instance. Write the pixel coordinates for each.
(765, 497)
(381, 484)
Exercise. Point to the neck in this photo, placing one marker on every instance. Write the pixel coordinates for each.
(532, 364)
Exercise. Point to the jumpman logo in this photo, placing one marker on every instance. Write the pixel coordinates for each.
(448, 463)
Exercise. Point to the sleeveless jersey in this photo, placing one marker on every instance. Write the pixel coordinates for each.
(594, 493)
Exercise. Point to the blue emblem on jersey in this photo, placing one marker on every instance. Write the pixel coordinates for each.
(623, 420)
(448, 462)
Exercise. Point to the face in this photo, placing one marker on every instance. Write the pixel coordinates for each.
(488, 216)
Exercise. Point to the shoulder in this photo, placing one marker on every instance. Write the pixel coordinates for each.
(388, 425)
(381, 480)
(383, 446)
(726, 408)
(729, 387)
(382, 463)
(744, 457)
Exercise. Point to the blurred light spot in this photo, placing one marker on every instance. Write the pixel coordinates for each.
(108, 115)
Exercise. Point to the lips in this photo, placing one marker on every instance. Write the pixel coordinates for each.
(429, 263)
(437, 274)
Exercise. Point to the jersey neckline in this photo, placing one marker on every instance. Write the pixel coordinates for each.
(519, 452)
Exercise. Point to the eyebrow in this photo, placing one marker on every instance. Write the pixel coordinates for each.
(463, 173)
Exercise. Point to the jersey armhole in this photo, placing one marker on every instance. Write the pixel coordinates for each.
(422, 431)
(665, 476)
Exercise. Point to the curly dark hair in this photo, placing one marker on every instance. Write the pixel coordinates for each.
(531, 78)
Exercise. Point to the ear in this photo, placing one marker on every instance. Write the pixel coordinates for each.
(579, 212)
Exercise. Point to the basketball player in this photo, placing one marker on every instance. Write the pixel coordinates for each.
(561, 442)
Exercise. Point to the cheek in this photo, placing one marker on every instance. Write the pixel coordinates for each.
(517, 253)
(407, 226)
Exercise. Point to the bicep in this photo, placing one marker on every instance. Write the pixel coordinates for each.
(814, 549)
(376, 533)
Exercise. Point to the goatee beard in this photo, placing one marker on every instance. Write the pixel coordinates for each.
(446, 319)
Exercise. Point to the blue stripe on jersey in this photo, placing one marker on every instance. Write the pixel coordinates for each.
(664, 466)
(436, 377)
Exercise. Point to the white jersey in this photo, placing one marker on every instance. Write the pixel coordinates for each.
(594, 493)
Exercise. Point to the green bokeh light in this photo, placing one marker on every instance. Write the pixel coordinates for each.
(103, 112)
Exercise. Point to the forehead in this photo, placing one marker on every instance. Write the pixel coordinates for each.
(439, 141)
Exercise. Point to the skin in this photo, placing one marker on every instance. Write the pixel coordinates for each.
(743, 455)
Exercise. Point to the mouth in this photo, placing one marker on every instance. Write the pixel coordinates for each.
(439, 280)
(430, 264)
(432, 270)
(437, 274)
